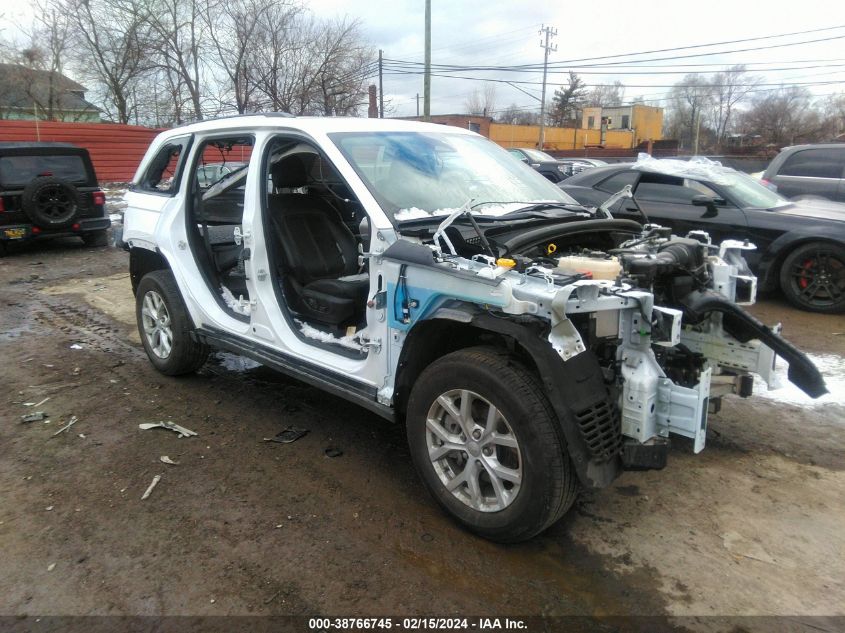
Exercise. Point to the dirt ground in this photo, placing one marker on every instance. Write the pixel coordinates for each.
(751, 526)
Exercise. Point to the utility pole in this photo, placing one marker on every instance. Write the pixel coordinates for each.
(380, 88)
(418, 105)
(696, 131)
(548, 32)
(427, 76)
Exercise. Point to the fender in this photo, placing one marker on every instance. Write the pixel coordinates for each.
(769, 266)
(586, 412)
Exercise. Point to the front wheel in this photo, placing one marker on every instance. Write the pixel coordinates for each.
(165, 326)
(484, 439)
(812, 277)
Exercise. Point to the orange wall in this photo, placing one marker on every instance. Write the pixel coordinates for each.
(558, 137)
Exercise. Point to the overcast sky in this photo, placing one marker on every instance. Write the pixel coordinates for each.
(497, 32)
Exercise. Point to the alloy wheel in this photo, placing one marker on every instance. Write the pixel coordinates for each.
(155, 320)
(474, 451)
(819, 280)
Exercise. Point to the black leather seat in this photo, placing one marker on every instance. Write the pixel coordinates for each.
(319, 253)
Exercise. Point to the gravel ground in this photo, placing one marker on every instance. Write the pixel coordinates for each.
(752, 526)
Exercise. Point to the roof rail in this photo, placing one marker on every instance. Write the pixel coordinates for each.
(238, 116)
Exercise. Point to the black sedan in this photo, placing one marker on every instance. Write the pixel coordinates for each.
(800, 245)
(547, 165)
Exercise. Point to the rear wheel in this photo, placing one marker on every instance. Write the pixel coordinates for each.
(813, 277)
(165, 326)
(483, 438)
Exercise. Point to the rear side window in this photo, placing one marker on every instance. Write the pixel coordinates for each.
(618, 181)
(18, 171)
(815, 163)
(162, 175)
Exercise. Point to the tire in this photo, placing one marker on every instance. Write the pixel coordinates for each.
(165, 326)
(812, 277)
(526, 443)
(51, 203)
(96, 238)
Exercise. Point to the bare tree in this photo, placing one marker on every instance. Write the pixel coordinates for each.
(833, 110)
(339, 53)
(232, 28)
(181, 42)
(481, 101)
(689, 100)
(42, 59)
(784, 117)
(113, 42)
(606, 95)
(514, 115)
(729, 88)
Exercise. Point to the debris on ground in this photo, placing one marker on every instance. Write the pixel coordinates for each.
(35, 416)
(164, 459)
(333, 452)
(288, 435)
(152, 485)
(76, 346)
(181, 430)
(51, 566)
(36, 404)
(73, 420)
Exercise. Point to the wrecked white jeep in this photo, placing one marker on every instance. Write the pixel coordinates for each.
(530, 345)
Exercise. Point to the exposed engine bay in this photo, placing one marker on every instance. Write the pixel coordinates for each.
(660, 313)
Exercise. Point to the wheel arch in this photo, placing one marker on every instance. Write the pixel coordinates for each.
(142, 261)
(779, 250)
(573, 387)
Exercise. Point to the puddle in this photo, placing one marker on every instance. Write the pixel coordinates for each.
(235, 363)
(15, 332)
(832, 368)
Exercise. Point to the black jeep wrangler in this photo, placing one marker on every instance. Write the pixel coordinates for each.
(50, 190)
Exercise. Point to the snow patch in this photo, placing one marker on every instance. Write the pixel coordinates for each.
(235, 304)
(832, 368)
(350, 342)
(236, 363)
(492, 210)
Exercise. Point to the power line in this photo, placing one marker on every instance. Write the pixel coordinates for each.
(567, 63)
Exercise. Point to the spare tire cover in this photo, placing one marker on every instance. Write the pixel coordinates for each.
(51, 202)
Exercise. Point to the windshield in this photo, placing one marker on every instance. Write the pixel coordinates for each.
(419, 174)
(748, 192)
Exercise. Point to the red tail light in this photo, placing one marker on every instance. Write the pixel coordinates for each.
(2, 205)
(35, 230)
(99, 198)
(76, 227)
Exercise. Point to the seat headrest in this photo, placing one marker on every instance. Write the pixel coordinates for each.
(290, 173)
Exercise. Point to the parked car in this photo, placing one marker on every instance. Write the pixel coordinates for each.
(420, 272)
(577, 165)
(50, 190)
(800, 245)
(547, 165)
(809, 171)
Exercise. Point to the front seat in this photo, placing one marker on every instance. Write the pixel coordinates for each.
(319, 268)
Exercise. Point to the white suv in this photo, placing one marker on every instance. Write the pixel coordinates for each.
(530, 345)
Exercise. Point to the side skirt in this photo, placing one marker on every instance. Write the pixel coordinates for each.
(334, 383)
